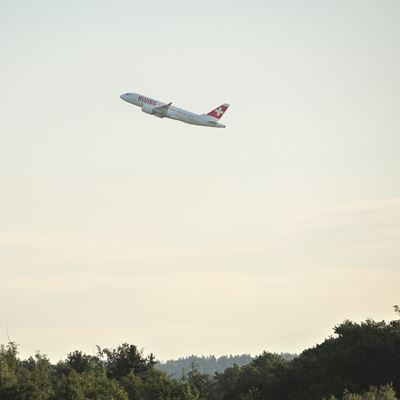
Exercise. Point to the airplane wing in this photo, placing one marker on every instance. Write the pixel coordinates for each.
(163, 110)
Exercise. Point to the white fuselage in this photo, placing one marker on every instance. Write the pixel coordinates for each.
(161, 110)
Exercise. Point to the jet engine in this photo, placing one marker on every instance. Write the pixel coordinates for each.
(148, 109)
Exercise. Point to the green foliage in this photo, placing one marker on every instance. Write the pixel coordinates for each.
(385, 392)
(88, 385)
(28, 379)
(8, 371)
(208, 365)
(360, 358)
(159, 386)
(226, 383)
(81, 362)
(133, 386)
(201, 384)
(34, 378)
(125, 359)
(205, 365)
(258, 380)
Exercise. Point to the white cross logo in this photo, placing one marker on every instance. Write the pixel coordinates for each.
(219, 111)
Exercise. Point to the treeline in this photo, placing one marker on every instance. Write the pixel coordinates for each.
(360, 361)
(207, 365)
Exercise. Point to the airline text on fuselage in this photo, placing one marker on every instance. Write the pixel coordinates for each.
(147, 100)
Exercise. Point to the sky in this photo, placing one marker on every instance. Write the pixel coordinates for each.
(116, 226)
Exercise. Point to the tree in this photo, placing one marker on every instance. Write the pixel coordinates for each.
(125, 359)
(8, 371)
(92, 385)
(81, 362)
(383, 393)
(225, 387)
(201, 384)
(158, 386)
(34, 377)
(133, 386)
(358, 356)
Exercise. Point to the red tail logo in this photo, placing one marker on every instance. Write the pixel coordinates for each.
(218, 112)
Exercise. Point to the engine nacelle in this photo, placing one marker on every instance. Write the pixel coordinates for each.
(148, 109)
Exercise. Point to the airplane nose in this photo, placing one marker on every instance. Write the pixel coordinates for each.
(125, 97)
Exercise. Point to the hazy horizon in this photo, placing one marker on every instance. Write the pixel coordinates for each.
(116, 226)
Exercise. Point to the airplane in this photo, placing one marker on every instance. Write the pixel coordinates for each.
(161, 110)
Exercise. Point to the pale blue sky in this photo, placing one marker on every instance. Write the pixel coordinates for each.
(117, 226)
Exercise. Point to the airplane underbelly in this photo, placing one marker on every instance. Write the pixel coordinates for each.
(172, 114)
(187, 118)
(191, 120)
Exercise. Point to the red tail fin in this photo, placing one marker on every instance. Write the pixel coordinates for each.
(217, 113)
